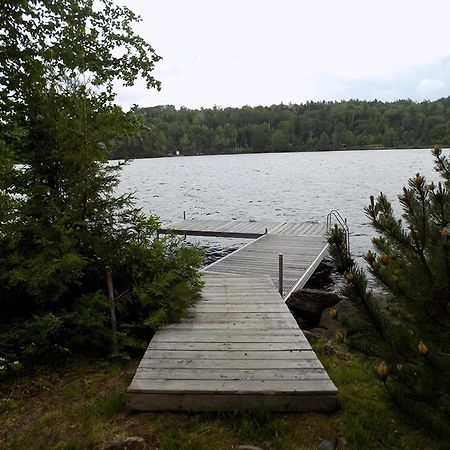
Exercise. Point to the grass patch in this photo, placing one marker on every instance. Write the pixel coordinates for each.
(84, 405)
(111, 404)
(254, 425)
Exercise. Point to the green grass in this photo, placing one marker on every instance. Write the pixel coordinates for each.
(85, 406)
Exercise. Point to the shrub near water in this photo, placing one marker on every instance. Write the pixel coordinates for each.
(156, 280)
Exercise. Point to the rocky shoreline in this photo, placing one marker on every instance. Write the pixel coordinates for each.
(317, 306)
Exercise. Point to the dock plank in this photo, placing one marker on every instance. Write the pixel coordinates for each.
(230, 374)
(224, 364)
(280, 386)
(255, 347)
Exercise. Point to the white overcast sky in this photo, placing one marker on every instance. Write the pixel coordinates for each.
(261, 52)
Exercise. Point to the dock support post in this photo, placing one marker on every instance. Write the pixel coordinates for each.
(112, 306)
(184, 215)
(280, 274)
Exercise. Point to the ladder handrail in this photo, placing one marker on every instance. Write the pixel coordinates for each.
(342, 223)
(338, 217)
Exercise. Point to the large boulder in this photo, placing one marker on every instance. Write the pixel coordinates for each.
(330, 323)
(308, 304)
(345, 310)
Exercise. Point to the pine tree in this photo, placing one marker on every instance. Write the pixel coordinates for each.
(410, 330)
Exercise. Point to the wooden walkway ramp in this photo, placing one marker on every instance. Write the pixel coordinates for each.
(239, 347)
(301, 256)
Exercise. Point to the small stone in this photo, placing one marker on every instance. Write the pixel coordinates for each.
(130, 443)
(328, 444)
(248, 447)
(311, 335)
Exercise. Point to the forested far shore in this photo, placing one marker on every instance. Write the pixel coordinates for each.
(280, 128)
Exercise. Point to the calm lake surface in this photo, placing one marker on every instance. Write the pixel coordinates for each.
(294, 186)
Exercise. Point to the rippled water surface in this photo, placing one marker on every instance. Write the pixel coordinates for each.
(294, 186)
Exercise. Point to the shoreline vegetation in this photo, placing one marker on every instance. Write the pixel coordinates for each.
(314, 126)
(367, 149)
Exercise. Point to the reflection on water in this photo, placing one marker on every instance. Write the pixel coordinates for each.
(294, 186)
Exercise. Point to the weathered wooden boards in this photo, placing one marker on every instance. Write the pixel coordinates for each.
(238, 348)
(302, 243)
(243, 229)
(301, 229)
(301, 256)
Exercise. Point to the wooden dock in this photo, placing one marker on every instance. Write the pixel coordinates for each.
(243, 229)
(240, 347)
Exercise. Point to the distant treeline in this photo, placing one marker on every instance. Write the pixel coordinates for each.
(280, 128)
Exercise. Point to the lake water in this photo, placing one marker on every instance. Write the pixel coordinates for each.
(294, 186)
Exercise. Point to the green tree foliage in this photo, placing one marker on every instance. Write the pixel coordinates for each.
(313, 126)
(60, 222)
(410, 329)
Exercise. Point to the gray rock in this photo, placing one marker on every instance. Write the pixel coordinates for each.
(130, 443)
(328, 444)
(345, 310)
(311, 335)
(248, 447)
(329, 326)
(309, 304)
(317, 332)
